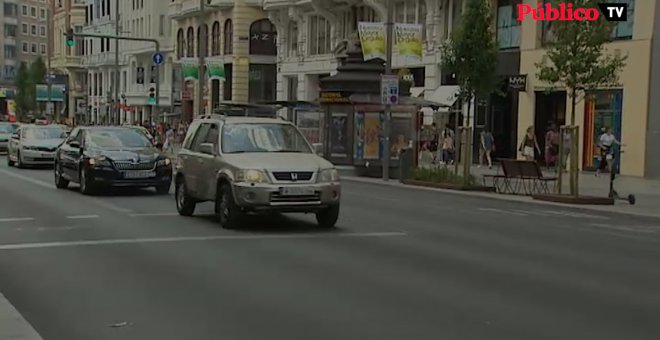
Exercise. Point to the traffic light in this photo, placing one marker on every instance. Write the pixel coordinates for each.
(70, 41)
(151, 100)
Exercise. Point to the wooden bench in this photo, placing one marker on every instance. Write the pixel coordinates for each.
(521, 177)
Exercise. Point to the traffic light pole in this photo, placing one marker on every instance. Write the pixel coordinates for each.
(70, 35)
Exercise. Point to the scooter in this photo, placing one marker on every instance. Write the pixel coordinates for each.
(613, 193)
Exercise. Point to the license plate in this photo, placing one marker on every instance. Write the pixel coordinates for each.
(139, 174)
(296, 191)
(609, 157)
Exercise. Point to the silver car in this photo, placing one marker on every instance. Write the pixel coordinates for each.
(35, 145)
(254, 165)
(6, 131)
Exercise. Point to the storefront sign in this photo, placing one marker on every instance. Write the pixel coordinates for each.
(518, 82)
(334, 98)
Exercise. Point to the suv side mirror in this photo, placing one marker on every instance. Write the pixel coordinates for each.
(74, 144)
(318, 148)
(14, 136)
(207, 148)
(64, 135)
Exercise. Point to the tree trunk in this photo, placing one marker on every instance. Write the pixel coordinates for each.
(467, 144)
(573, 167)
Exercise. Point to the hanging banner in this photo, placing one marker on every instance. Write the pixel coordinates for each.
(11, 110)
(372, 39)
(408, 42)
(189, 68)
(215, 68)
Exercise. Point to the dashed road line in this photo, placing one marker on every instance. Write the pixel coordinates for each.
(154, 214)
(38, 245)
(16, 219)
(504, 211)
(82, 217)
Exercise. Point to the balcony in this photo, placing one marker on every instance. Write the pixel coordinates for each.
(101, 59)
(276, 4)
(9, 40)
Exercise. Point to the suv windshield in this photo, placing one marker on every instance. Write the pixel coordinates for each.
(50, 132)
(263, 137)
(116, 139)
(7, 128)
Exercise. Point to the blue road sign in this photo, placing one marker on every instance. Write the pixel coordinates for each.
(157, 58)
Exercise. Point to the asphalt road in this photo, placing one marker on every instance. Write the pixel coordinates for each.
(404, 264)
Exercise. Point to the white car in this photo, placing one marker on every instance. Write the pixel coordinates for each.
(6, 130)
(35, 145)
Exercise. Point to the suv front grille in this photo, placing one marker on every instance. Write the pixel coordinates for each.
(277, 198)
(134, 166)
(293, 176)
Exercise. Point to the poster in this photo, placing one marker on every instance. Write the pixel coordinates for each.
(408, 42)
(399, 134)
(11, 110)
(310, 125)
(359, 135)
(338, 135)
(372, 39)
(215, 68)
(189, 68)
(372, 135)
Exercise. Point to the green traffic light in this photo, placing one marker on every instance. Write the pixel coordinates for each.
(71, 42)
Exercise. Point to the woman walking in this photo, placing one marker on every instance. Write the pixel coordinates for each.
(487, 147)
(529, 145)
(551, 146)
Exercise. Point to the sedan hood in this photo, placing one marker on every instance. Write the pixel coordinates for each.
(138, 155)
(5, 136)
(275, 161)
(44, 143)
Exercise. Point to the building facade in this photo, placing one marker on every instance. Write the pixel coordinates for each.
(66, 61)
(627, 107)
(146, 19)
(100, 60)
(33, 29)
(9, 24)
(240, 34)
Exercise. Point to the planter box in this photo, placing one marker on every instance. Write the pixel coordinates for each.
(449, 186)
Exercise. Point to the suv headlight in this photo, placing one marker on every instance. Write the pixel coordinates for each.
(328, 175)
(251, 176)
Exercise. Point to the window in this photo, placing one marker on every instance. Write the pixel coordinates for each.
(10, 30)
(161, 25)
(25, 48)
(410, 12)
(34, 48)
(24, 10)
(42, 31)
(508, 25)
(180, 44)
(9, 72)
(33, 30)
(33, 12)
(10, 52)
(10, 10)
(229, 37)
(42, 13)
(319, 35)
(42, 48)
(624, 29)
(215, 39)
(190, 42)
(263, 38)
(25, 28)
(293, 39)
(203, 40)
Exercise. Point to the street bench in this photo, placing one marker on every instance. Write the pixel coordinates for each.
(520, 177)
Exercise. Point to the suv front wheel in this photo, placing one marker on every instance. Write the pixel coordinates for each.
(185, 204)
(229, 214)
(327, 218)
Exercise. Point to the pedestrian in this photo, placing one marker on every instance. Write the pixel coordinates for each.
(529, 145)
(448, 145)
(605, 144)
(551, 146)
(487, 148)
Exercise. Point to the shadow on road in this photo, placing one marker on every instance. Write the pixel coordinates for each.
(275, 224)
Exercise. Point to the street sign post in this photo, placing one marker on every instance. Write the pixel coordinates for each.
(389, 89)
(157, 58)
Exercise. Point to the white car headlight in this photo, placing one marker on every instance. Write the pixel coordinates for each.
(251, 176)
(328, 175)
(164, 162)
(30, 148)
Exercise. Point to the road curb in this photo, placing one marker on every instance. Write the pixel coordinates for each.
(12, 324)
(500, 197)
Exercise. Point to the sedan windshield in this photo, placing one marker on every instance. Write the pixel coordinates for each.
(115, 139)
(45, 132)
(266, 137)
(7, 128)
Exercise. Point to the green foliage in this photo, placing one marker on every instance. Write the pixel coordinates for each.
(441, 175)
(471, 51)
(38, 71)
(576, 59)
(23, 102)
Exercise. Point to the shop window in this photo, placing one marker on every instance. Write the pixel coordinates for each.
(602, 109)
(293, 39)
(508, 25)
(227, 88)
(263, 38)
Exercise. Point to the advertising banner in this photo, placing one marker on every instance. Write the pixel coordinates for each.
(359, 135)
(56, 93)
(408, 42)
(11, 110)
(372, 135)
(189, 68)
(372, 39)
(215, 68)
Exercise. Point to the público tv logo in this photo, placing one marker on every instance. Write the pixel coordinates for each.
(567, 12)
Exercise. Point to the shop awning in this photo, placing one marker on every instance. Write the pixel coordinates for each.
(417, 92)
(446, 94)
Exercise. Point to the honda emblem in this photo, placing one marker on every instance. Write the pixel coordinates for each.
(294, 176)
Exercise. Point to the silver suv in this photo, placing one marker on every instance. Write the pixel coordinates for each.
(254, 165)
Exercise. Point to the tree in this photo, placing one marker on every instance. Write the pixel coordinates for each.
(38, 73)
(575, 58)
(23, 103)
(471, 55)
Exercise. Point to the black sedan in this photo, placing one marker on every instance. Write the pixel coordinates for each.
(104, 157)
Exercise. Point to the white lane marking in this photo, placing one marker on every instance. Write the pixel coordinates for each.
(20, 246)
(43, 229)
(575, 214)
(504, 211)
(82, 217)
(636, 229)
(16, 219)
(52, 187)
(154, 214)
(12, 323)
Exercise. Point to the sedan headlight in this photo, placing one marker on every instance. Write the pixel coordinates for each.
(251, 176)
(164, 162)
(328, 175)
(33, 148)
(99, 161)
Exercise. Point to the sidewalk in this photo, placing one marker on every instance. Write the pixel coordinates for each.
(647, 191)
